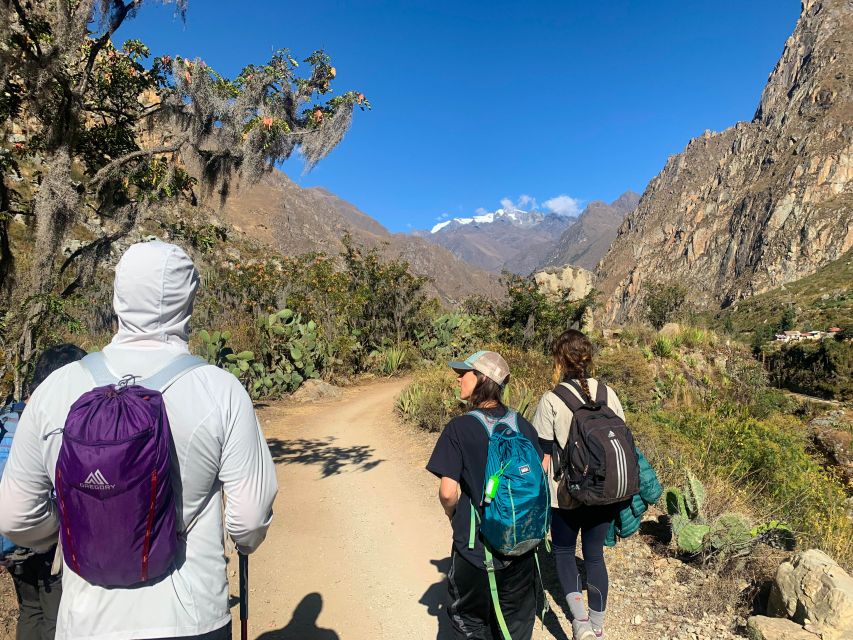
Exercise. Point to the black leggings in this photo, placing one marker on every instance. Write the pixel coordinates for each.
(592, 523)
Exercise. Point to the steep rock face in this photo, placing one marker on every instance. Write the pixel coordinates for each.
(554, 281)
(762, 203)
(587, 240)
(294, 221)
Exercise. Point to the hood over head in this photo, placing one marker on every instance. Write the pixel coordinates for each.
(155, 286)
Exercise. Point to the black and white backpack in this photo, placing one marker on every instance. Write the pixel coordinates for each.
(599, 463)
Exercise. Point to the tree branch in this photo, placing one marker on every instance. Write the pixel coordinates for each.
(108, 169)
(115, 22)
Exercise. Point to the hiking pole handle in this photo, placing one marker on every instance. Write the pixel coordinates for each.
(244, 596)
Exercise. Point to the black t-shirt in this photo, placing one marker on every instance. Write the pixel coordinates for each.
(460, 454)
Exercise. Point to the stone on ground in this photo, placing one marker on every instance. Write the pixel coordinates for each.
(764, 628)
(314, 390)
(813, 589)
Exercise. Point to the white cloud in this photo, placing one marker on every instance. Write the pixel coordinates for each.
(524, 203)
(564, 205)
(443, 216)
(481, 211)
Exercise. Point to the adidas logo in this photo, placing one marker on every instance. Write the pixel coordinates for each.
(611, 435)
(96, 480)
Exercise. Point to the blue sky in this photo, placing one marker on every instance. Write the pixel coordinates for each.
(475, 102)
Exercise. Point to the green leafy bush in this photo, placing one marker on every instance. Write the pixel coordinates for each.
(431, 400)
(663, 302)
(822, 368)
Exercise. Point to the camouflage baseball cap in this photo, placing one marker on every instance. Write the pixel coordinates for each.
(489, 363)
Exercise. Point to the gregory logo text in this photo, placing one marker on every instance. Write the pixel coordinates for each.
(97, 481)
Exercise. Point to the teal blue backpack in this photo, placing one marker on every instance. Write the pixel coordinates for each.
(516, 504)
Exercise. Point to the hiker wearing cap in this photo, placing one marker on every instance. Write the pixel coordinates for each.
(171, 581)
(572, 352)
(492, 595)
(37, 586)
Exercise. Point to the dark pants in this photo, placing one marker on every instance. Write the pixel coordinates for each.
(592, 523)
(471, 611)
(223, 633)
(38, 597)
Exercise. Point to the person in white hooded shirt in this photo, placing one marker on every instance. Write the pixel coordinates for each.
(218, 447)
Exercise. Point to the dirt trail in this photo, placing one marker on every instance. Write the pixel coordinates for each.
(358, 538)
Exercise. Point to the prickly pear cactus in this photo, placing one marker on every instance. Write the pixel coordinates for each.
(691, 537)
(214, 347)
(289, 351)
(694, 496)
(731, 534)
(775, 534)
(675, 504)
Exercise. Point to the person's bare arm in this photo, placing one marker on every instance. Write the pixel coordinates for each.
(546, 462)
(448, 495)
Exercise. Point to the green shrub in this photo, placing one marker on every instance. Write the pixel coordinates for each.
(822, 368)
(630, 374)
(663, 302)
(663, 347)
(431, 400)
(695, 337)
(391, 360)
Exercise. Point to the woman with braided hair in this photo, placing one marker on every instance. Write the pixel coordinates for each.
(572, 352)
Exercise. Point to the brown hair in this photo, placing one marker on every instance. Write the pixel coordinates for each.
(485, 391)
(572, 353)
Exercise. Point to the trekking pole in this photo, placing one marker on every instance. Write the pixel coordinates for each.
(244, 596)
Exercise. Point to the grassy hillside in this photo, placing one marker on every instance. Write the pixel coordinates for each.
(821, 300)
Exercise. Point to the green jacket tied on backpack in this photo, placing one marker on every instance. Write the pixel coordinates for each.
(627, 522)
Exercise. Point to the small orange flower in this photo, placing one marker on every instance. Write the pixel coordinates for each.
(268, 122)
(333, 72)
(318, 115)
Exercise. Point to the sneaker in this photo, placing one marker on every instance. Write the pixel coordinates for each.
(582, 630)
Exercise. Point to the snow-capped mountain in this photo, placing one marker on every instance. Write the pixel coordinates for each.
(515, 217)
(522, 241)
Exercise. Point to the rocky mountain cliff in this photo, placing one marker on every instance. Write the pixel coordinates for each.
(587, 240)
(763, 203)
(295, 220)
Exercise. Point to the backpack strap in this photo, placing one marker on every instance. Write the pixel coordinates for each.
(96, 364)
(601, 393)
(172, 372)
(510, 418)
(570, 399)
(493, 588)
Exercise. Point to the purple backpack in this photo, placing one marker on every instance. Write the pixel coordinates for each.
(118, 519)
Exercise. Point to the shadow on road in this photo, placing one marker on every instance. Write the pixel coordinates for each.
(333, 459)
(435, 600)
(303, 623)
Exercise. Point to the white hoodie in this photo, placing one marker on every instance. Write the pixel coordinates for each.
(218, 447)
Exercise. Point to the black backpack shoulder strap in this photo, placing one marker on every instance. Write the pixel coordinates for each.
(601, 393)
(570, 399)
